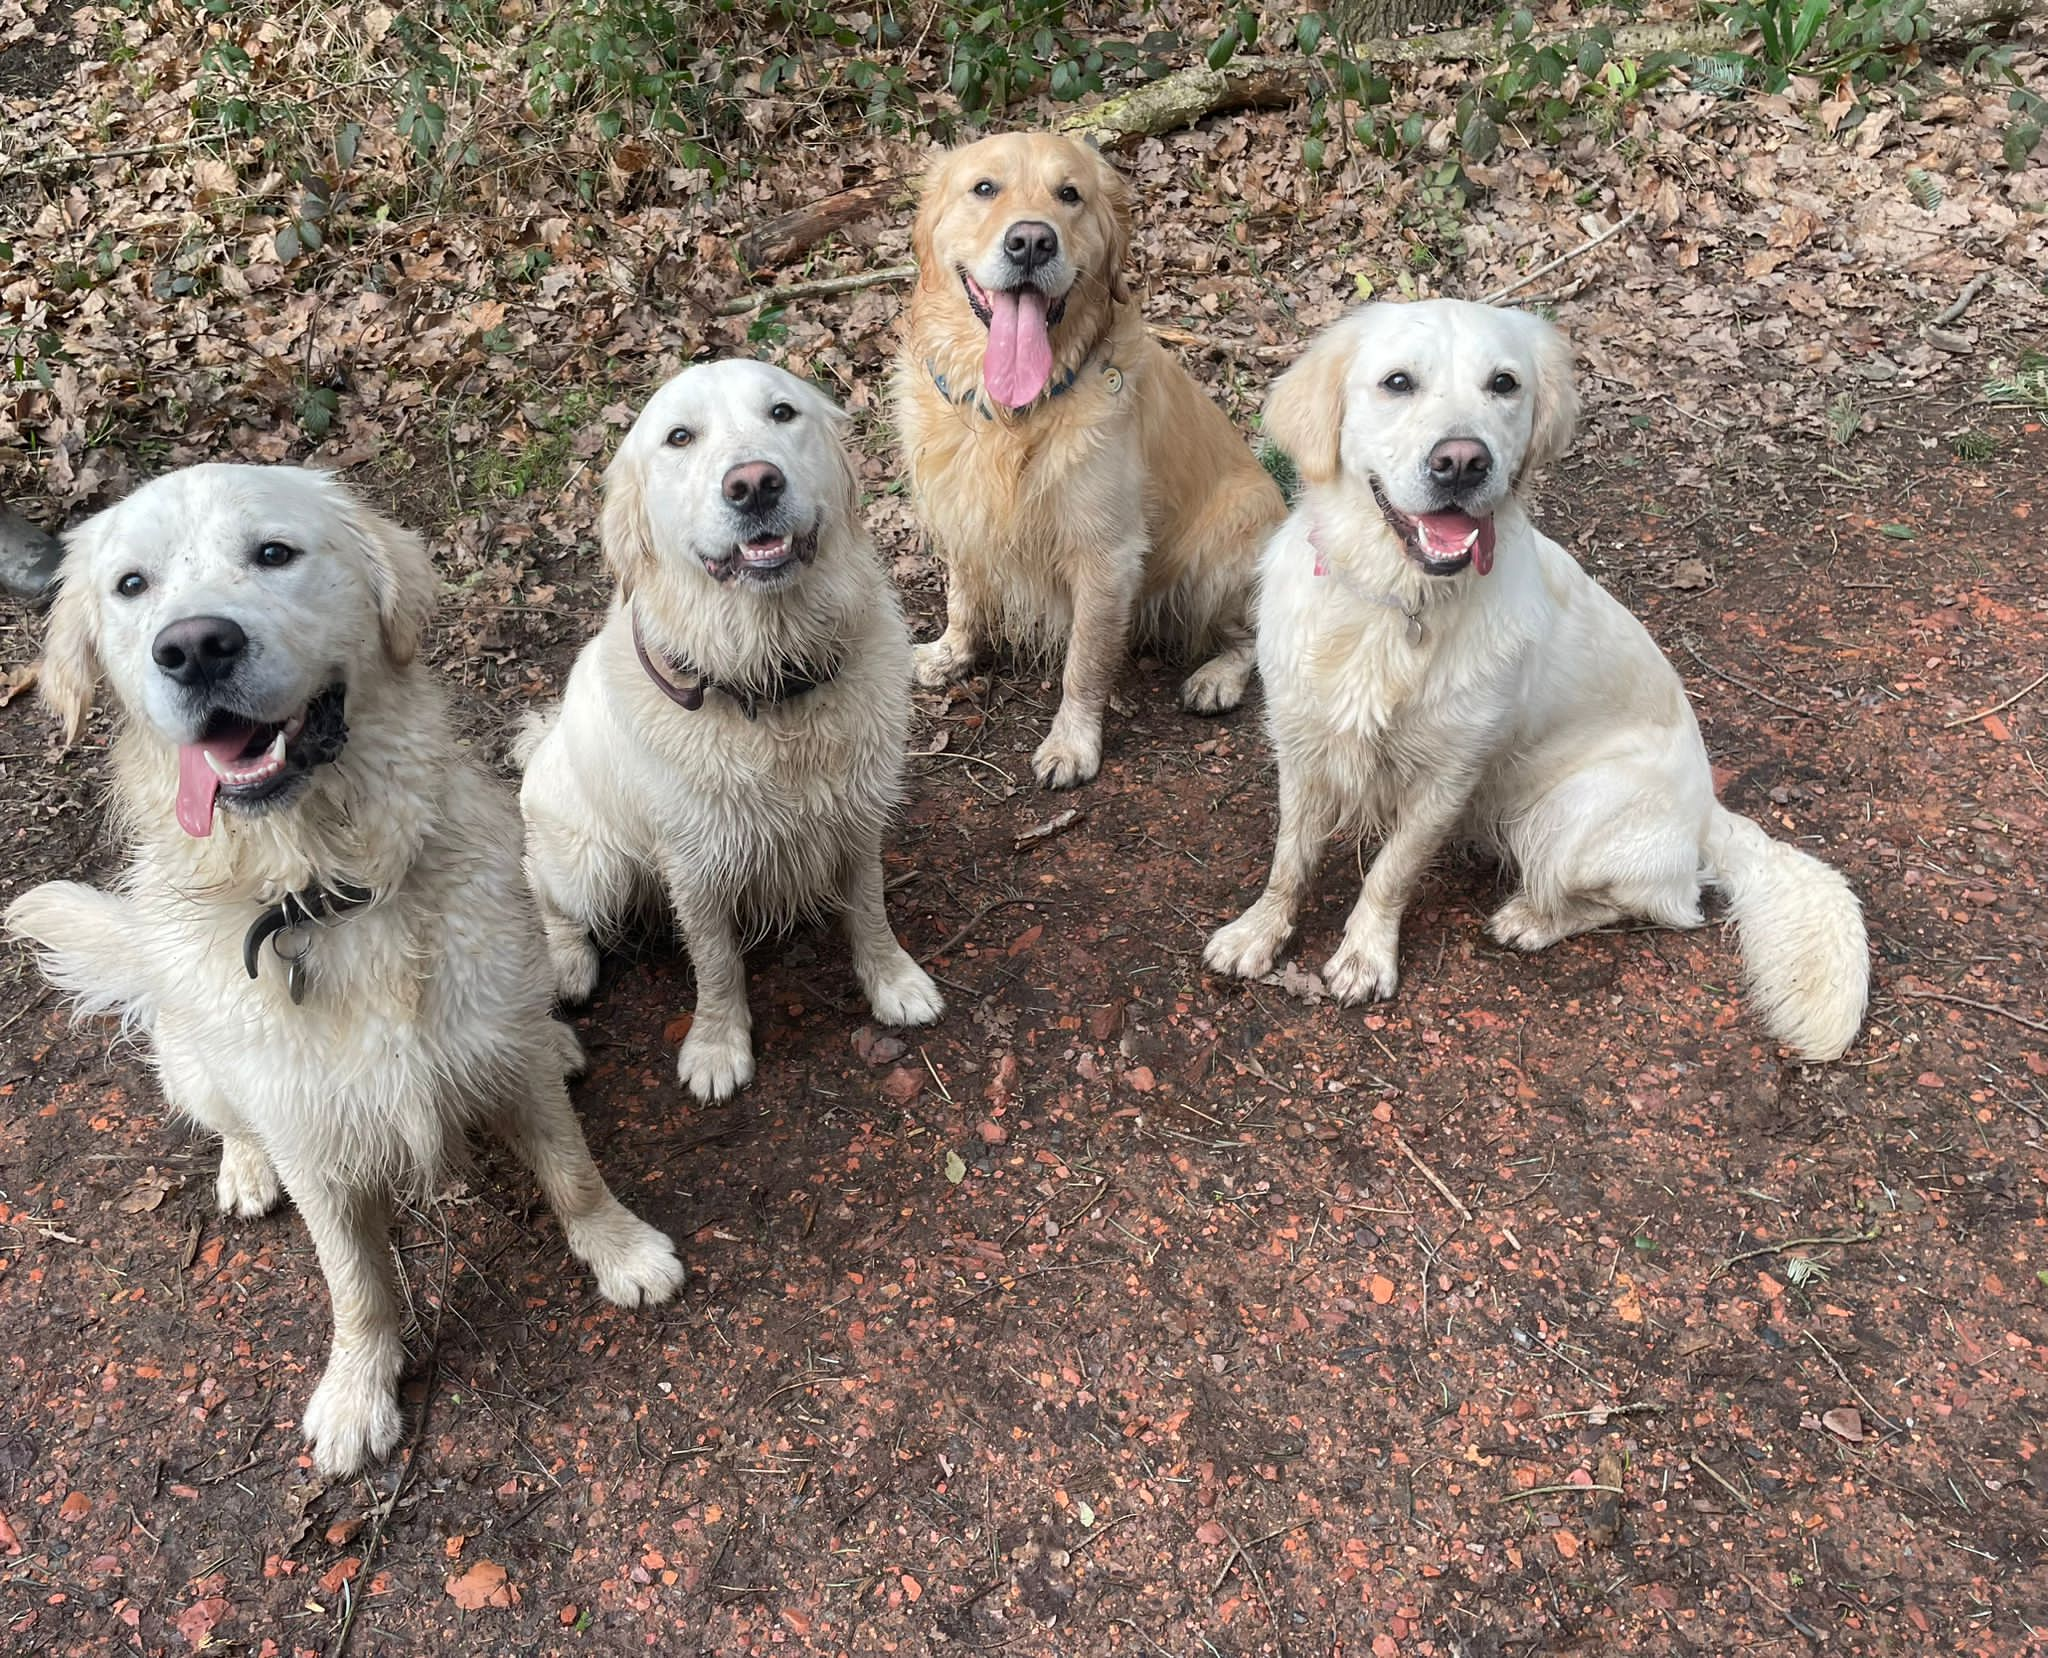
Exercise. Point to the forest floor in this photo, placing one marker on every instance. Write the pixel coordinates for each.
(1127, 1311)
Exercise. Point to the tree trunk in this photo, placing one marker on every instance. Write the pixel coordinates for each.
(1383, 19)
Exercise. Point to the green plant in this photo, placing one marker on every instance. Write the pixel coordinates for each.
(2026, 387)
(2029, 108)
(1001, 52)
(1864, 42)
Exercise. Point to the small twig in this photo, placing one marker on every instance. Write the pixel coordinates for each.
(1797, 1243)
(1614, 229)
(1238, 1552)
(973, 921)
(1999, 707)
(1430, 1175)
(92, 158)
(1971, 1001)
(1964, 300)
(1861, 1398)
(1552, 1490)
(1698, 1462)
(763, 297)
(1685, 639)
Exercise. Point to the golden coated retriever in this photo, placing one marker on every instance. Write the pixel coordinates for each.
(735, 732)
(1077, 483)
(323, 929)
(1434, 666)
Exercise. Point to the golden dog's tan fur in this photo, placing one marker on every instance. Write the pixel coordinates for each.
(1126, 498)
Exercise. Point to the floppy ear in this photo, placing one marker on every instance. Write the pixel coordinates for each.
(69, 672)
(924, 226)
(1116, 193)
(401, 575)
(1305, 409)
(622, 527)
(1556, 393)
(839, 424)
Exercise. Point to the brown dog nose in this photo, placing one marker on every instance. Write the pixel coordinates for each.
(1031, 243)
(754, 486)
(199, 651)
(1460, 461)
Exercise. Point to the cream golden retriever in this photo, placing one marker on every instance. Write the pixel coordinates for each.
(1075, 480)
(735, 732)
(1434, 667)
(322, 929)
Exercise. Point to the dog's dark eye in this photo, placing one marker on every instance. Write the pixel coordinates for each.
(986, 189)
(1503, 383)
(679, 437)
(275, 555)
(782, 414)
(1398, 382)
(133, 585)
(1069, 195)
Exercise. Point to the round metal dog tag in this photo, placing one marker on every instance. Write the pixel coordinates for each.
(1113, 377)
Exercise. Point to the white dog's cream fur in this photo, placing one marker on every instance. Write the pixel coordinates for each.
(745, 823)
(1522, 707)
(425, 1013)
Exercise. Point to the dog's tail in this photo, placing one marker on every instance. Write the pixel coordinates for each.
(91, 948)
(1802, 936)
(527, 734)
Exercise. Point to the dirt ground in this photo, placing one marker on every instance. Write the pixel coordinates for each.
(1542, 1310)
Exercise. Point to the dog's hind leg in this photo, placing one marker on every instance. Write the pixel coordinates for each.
(1218, 685)
(352, 1418)
(580, 884)
(898, 990)
(953, 654)
(634, 1262)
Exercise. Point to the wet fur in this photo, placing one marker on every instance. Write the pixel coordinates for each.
(426, 1014)
(1536, 715)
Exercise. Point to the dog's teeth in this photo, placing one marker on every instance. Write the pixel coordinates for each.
(1471, 541)
(219, 770)
(276, 754)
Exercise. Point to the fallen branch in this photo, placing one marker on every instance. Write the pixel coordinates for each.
(762, 297)
(789, 235)
(1253, 82)
(1430, 1175)
(1977, 284)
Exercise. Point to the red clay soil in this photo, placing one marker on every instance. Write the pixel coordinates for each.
(1544, 1309)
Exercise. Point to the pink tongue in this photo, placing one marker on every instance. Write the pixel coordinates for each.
(1017, 365)
(197, 783)
(1444, 535)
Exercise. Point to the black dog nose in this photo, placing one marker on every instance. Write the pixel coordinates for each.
(200, 650)
(754, 486)
(1030, 243)
(1458, 461)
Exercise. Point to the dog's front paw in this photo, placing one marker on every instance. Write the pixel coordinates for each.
(1363, 970)
(1065, 762)
(1217, 686)
(902, 993)
(717, 1061)
(352, 1419)
(573, 956)
(247, 1186)
(1247, 947)
(939, 663)
(636, 1264)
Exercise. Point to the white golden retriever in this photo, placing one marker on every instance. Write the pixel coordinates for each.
(735, 732)
(1435, 666)
(323, 928)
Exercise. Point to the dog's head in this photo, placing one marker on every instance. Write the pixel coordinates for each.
(1024, 236)
(1438, 408)
(229, 609)
(733, 473)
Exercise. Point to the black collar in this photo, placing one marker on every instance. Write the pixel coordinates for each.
(294, 910)
(792, 679)
(1112, 377)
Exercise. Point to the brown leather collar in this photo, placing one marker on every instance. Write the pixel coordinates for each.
(792, 679)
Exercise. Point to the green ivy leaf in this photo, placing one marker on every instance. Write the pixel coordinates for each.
(288, 244)
(1224, 49)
